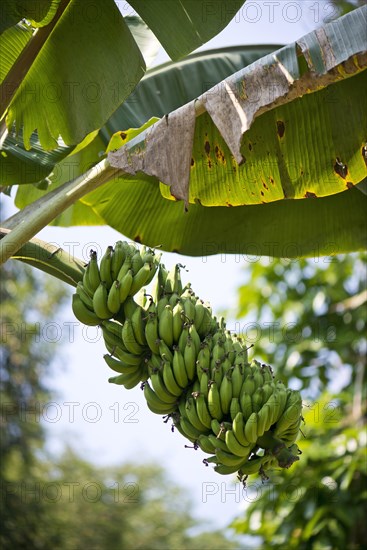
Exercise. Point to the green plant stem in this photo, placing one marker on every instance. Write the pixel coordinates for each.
(26, 223)
(51, 259)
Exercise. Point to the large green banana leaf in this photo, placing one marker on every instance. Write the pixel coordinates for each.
(278, 129)
(19, 165)
(38, 12)
(291, 229)
(72, 74)
(311, 120)
(163, 89)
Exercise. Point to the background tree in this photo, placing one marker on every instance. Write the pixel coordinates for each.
(30, 304)
(66, 502)
(309, 319)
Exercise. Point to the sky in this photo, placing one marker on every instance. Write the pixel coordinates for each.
(107, 424)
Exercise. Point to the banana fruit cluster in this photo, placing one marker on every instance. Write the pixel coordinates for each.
(191, 368)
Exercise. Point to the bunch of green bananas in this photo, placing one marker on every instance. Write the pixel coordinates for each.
(193, 370)
(105, 297)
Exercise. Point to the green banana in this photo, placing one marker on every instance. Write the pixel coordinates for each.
(252, 466)
(117, 260)
(225, 392)
(214, 405)
(160, 389)
(111, 340)
(229, 459)
(195, 338)
(182, 341)
(100, 302)
(249, 385)
(257, 399)
(189, 429)
(234, 407)
(218, 443)
(287, 419)
(128, 358)
(151, 333)
(139, 326)
(225, 470)
(251, 428)
(140, 279)
(205, 444)
(85, 298)
(179, 370)
(193, 416)
(126, 266)
(238, 426)
(169, 379)
(246, 404)
(155, 404)
(129, 380)
(125, 285)
(105, 267)
(237, 380)
(189, 310)
(165, 325)
(136, 261)
(113, 299)
(128, 337)
(219, 428)
(119, 366)
(235, 447)
(93, 275)
(264, 419)
(82, 313)
(190, 359)
(203, 411)
(177, 322)
(163, 302)
(164, 351)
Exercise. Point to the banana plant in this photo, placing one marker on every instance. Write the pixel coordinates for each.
(269, 160)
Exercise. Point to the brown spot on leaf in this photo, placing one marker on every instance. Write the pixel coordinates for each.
(272, 180)
(340, 168)
(209, 164)
(229, 204)
(280, 128)
(350, 184)
(262, 193)
(364, 153)
(192, 162)
(123, 135)
(207, 147)
(265, 186)
(137, 239)
(250, 146)
(219, 154)
(175, 250)
(309, 195)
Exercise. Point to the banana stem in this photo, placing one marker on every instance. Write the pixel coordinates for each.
(50, 259)
(26, 223)
(277, 448)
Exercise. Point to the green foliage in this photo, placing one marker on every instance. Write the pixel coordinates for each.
(29, 307)
(308, 319)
